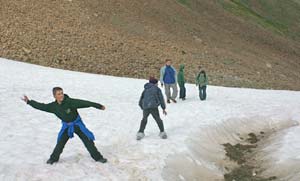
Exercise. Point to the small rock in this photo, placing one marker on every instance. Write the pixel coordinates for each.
(27, 51)
(196, 38)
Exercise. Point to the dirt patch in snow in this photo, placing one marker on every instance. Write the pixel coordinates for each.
(243, 155)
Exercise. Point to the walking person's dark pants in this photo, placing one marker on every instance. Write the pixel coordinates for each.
(182, 92)
(155, 114)
(202, 92)
(89, 144)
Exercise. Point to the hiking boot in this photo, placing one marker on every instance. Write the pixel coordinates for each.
(174, 100)
(168, 101)
(140, 136)
(50, 161)
(183, 99)
(102, 160)
(163, 135)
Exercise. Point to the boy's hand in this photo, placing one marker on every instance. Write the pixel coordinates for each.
(103, 108)
(25, 99)
(165, 112)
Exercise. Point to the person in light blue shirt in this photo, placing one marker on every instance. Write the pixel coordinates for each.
(168, 78)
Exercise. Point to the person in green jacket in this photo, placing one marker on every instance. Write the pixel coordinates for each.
(202, 82)
(181, 83)
(65, 108)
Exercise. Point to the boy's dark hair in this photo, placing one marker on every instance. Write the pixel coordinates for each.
(153, 80)
(55, 89)
(203, 72)
(167, 60)
(200, 67)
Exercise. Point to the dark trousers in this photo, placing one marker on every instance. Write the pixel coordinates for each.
(89, 144)
(155, 114)
(202, 92)
(182, 92)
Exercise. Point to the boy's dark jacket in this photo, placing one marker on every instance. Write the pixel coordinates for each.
(151, 97)
(67, 110)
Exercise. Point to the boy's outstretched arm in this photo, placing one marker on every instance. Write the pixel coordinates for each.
(197, 80)
(37, 105)
(78, 103)
(162, 73)
(162, 100)
(175, 75)
(141, 101)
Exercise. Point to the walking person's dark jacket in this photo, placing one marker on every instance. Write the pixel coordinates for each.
(152, 97)
(67, 110)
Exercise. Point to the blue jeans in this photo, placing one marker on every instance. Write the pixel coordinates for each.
(202, 92)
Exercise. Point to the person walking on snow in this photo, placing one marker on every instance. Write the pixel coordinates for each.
(181, 83)
(149, 102)
(168, 78)
(65, 108)
(202, 82)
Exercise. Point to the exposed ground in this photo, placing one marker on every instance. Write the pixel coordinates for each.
(244, 155)
(240, 43)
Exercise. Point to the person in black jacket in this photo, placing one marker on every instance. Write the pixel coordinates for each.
(150, 100)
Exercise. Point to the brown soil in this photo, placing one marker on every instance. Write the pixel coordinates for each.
(132, 38)
(248, 169)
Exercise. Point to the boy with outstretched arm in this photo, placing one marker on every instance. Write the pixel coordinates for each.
(65, 108)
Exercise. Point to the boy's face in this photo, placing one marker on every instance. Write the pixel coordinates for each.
(59, 95)
(168, 62)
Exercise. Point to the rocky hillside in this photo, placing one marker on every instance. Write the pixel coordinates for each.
(240, 42)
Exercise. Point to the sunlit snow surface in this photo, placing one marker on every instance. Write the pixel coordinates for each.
(28, 136)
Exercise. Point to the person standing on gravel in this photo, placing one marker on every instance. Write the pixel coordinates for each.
(168, 78)
(65, 108)
(149, 102)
